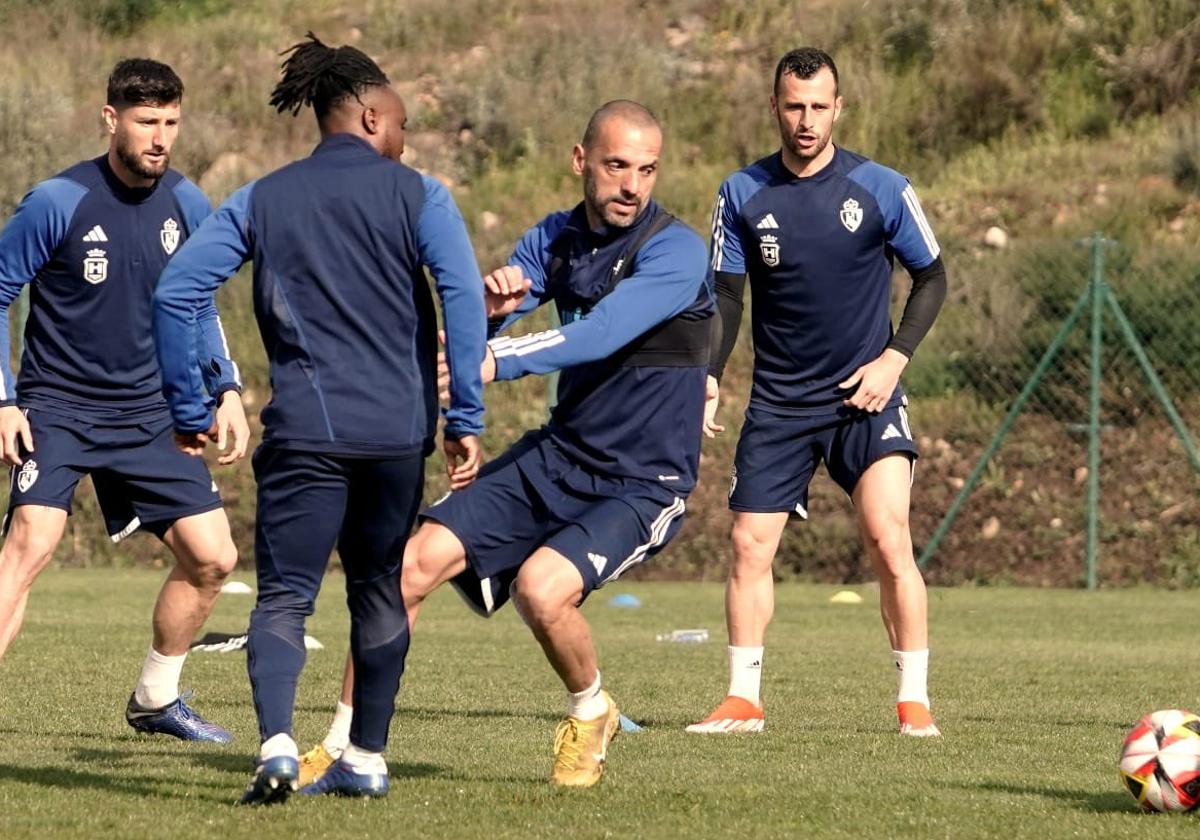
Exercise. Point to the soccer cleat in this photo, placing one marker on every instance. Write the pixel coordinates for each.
(314, 764)
(176, 718)
(273, 781)
(581, 747)
(341, 780)
(915, 720)
(735, 714)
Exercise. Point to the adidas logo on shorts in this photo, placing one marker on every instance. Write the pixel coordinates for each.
(890, 432)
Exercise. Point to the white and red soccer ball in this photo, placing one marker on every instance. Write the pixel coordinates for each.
(1160, 761)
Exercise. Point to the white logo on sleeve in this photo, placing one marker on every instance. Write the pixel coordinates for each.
(169, 236)
(767, 222)
(599, 561)
(770, 250)
(851, 214)
(890, 432)
(96, 234)
(27, 476)
(95, 266)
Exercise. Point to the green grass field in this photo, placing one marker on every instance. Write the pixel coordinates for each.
(1033, 689)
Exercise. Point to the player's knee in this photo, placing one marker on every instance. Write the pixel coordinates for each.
(753, 551)
(892, 551)
(539, 596)
(26, 553)
(208, 569)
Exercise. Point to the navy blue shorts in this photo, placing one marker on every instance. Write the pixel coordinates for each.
(310, 503)
(777, 455)
(534, 496)
(142, 480)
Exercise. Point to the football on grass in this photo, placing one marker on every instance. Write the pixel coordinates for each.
(1160, 761)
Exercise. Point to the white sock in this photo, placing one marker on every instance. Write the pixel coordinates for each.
(362, 761)
(745, 673)
(159, 683)
(278, 744)
(338, 737)
(913, 668)
(588, 704)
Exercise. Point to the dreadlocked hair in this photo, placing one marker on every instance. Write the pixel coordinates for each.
(322, 76)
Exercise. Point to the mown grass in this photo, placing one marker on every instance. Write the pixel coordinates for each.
(1033, 689)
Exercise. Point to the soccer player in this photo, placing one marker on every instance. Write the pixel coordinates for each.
(339, 242)
(602, 486)
(815, 227)
(92, 241)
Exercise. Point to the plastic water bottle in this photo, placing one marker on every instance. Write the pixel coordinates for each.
(686, 636)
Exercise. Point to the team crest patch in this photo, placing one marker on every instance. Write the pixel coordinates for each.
(95, 266)
(169, 236)
(851, 214)
(27, 476)
(770, 250)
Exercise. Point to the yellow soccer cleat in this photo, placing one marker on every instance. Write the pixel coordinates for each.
(314, 763)
(581, 746)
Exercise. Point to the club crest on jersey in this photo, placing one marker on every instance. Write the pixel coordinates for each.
(169, 236)
(770, 250)
(95, 266)
(27, 475)
(851, 214)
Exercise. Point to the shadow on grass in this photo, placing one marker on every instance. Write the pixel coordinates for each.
(485, 714)
(122, 783)
(1107, 802)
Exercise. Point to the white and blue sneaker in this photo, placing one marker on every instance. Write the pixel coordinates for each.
(273, 781)
(342, 780)
(177, 719)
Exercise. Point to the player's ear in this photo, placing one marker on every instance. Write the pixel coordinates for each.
(370, 120)
(578, 157)
(109, 115)
(775, 107)
(837, 107)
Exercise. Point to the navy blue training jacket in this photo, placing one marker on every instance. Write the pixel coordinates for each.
(339, 241)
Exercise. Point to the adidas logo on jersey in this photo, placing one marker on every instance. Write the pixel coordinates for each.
(599, 561)
(890, 432)
(96, 234)
(767, 222)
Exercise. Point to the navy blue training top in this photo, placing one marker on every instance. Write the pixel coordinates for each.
(818, 252)
(625, 421)
(93, 248)
(339, 241)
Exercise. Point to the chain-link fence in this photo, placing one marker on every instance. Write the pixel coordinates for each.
(1010, 376)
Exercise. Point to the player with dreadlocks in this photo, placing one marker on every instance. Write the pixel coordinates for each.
(339, 241)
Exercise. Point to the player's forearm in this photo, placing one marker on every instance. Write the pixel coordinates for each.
(217, 367)
(921, 310)
(173, 324)
(730, 290)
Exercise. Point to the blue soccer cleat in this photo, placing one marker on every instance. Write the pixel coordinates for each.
(274, 780)
(341, 780)
(177, 719)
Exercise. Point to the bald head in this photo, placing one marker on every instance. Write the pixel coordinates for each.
(633, 114)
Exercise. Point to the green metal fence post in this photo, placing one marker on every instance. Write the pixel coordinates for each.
(1036, 377)
(1097, 289)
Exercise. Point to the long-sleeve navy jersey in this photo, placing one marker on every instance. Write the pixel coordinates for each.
(818, 252)
(628, 421)
(93, 249)
(339, 240)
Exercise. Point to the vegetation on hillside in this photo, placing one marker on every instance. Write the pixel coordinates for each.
(1047, 119)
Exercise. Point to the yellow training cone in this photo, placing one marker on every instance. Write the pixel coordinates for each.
(845, 597)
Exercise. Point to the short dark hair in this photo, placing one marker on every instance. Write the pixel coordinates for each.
(323, 76)
(143, 81)
(803, 63)
(626, 109)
